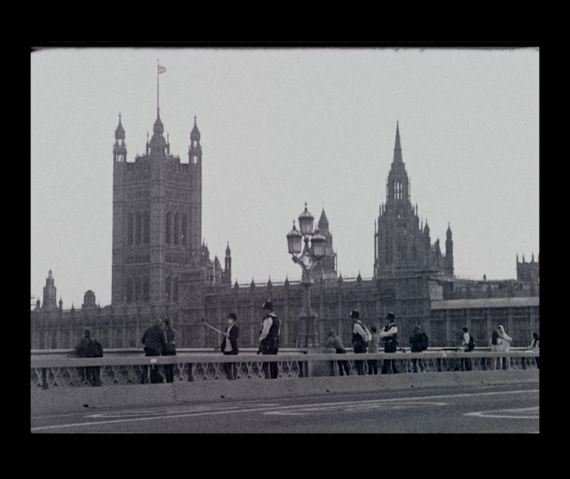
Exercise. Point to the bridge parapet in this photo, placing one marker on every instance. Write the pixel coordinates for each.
(71, 372)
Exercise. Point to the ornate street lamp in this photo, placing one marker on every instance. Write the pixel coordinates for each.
(307, 259)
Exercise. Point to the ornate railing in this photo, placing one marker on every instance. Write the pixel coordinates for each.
(48, 373)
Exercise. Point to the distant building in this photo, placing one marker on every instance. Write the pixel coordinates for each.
(49, 301)
(162, 267)
(528, 272)
(402, 244)
(157, 221)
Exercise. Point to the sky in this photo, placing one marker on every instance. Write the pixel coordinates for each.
(280, 127)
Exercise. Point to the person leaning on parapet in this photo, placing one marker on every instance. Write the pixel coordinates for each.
(535, 347)
(503, 345)
(468, 345)
(89, 347)
(269, 339)
(373, 349)
(334, 344)
(360, 338)
(154, 341)
(169, 349)
(419, 342)
(389, 334)
(229, 345)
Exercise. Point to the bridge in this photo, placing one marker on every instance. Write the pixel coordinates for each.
(482, 389)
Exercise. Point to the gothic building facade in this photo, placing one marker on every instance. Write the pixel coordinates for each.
(157, 221)
(401, 243)
(162, 268)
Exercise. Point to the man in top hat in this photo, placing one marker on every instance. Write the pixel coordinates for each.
(269, 339)
(389, 334)
(230, 346)
(361, 336)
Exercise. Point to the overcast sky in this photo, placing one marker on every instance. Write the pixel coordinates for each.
(280, 127)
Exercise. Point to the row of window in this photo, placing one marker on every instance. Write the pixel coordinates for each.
(176, 228)
(138, 228)
(138, 289)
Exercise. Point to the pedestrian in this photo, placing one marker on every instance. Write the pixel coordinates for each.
(360, 339)
(373, 349)
(89, 347)
(334, 344)
(468, 345)
(169, 349)
(419, 342)
(229, 345)
(154, 341)
(494, 345)
(503, 345)
(535, 347)
(269, 339)
(389, 334)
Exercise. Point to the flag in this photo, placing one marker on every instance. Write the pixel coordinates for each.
(161, 69)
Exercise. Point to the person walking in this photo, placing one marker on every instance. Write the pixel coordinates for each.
(334, 344)
(229, 345)
(373, 349)
(169, 349)
(360, 339)
(89, 347)
(269, 339)
(468, 345)
(535, 347)
(154, 341)
(503, 345)
(389, 334)
(419, 342)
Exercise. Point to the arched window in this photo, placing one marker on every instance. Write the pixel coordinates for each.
(138, 229)
(168, 288)
(175, 290)
(168, 227)
(129, 289)
(176, 228)
(138, 289)
(184, 228)
(130, 229)
(146, 289)
(146, 228)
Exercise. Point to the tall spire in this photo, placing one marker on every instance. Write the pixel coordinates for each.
(397, 145)
(323, 224)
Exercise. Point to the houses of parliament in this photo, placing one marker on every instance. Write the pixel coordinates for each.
(161, 267)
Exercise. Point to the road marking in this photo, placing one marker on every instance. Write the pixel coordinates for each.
(518, 413)
(353, 408)
(166, 412)
(262, 409)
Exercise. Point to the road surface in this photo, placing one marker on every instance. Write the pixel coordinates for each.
(469, 409)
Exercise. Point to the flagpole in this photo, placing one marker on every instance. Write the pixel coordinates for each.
(157, 91)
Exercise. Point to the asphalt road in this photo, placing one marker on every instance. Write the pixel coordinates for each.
(470, 409)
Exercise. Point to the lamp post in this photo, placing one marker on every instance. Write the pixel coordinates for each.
(308, 258)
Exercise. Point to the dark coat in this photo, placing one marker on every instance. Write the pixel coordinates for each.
(419, 342)
(89, 348)
(234, 336)
(154, 340)
(170, 345)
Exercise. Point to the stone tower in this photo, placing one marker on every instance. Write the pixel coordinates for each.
(401, 244)
(326, 269)
(528, 272)
(50, 301)
(157, 219)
